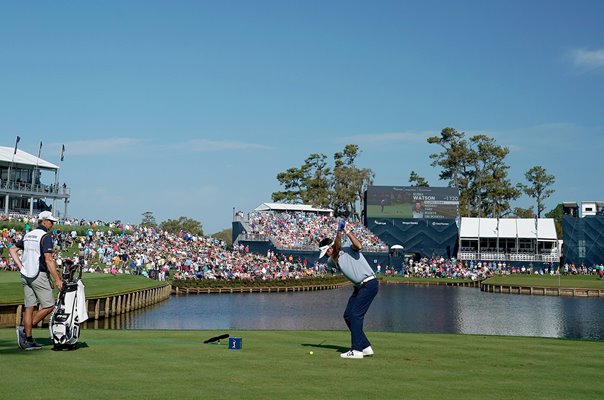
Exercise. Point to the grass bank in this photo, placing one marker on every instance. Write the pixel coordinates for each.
(138, 364)
(97, 285)
(208, 283)
(565, 281)
(399, 279)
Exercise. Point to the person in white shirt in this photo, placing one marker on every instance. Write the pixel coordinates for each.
(355, 267)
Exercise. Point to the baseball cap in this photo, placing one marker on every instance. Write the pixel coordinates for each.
(324, 245)
(47, 215)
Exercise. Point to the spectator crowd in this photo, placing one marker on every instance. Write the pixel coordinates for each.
(152, 252)
(303, 230)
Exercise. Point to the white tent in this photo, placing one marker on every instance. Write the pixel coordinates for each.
(291, 207)
(523, 228)
(513, 239)
(23, 158)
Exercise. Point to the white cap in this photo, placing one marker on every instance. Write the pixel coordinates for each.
(327, 243)
(47, 215)
(323, 250)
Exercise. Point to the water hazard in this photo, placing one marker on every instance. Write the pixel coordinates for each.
(397, 308)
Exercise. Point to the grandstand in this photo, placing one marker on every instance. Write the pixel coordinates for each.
(401, 223)
(295, 230)
(22, 188)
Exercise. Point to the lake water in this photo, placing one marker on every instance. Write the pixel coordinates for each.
(397, 308)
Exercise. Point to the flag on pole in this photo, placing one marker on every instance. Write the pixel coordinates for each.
(40, 149)
(16, 143)
(62, 152)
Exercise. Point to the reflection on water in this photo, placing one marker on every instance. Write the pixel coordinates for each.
(397, 308)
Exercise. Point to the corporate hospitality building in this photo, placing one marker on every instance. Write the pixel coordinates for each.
(29, 184)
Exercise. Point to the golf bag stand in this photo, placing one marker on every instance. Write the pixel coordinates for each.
(68, 314)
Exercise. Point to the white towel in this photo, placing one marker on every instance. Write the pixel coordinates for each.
(81, 306)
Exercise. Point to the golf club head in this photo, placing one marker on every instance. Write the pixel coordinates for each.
(217, 338)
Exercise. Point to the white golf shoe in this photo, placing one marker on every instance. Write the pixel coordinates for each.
(367, 351)
(352, 354)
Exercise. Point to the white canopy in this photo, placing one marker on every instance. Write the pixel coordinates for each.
(290, 207)
(529, 228)
(23, 158)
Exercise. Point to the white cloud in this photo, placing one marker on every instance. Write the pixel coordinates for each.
(100, 146)
(124, 144)
(205, 145)
(587, 60)
(389, 137)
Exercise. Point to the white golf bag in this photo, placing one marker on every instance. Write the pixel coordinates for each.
(70, 310)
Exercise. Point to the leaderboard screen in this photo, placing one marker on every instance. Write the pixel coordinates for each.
(412, 202)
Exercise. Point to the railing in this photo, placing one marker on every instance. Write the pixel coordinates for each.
(494, 256)
(35, 188)
(254, 237)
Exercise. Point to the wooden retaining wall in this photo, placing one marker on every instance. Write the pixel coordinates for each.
(541, 291)
(267, 289)
(98, 307)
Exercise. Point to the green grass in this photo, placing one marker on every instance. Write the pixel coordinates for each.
(567, 281)
(139, 364)
(11, 291)
(207, 283)
(419, 280)
(402, 210)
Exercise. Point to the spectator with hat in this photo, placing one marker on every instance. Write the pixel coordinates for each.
(36, 265)
(355, 267)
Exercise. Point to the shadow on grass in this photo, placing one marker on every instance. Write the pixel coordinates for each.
(11, 346)
(337, 348)
(79, 345)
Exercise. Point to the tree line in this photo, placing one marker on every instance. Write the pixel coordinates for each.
(184, 224)
(475, 165)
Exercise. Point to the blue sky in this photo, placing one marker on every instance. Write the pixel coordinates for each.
(191, 108)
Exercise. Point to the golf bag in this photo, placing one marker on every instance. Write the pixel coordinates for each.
(70, 310)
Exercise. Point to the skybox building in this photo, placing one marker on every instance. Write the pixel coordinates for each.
(29, 185)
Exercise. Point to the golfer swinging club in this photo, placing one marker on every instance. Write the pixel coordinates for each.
(353, 265)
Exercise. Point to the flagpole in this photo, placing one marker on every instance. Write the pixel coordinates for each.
(478, 235)
(37, 165)
(497, 237)
(12, 162)
(536, 237)
(57, 175)
(7, 197)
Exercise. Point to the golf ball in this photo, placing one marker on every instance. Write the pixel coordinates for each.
(311, 353)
